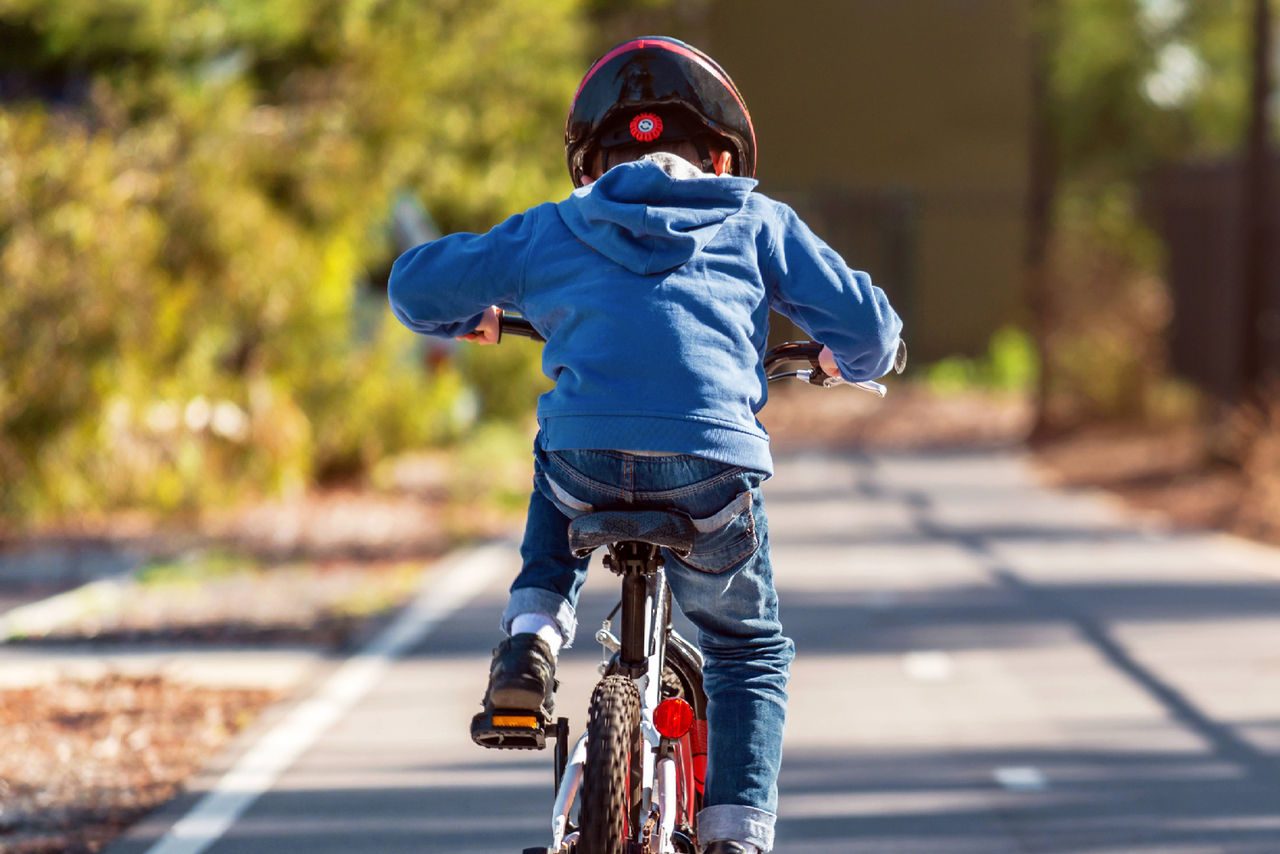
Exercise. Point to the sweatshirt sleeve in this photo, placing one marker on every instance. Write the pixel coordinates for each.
(811, 285)
(442, 288)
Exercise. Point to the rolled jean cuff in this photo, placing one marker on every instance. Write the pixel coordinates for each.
(737, 824)
(536, 600)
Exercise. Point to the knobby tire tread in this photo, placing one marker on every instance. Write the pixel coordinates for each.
(613, 746)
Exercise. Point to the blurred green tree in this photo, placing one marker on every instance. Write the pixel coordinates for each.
(1131, 84)
(1137, 82)
(189, 193)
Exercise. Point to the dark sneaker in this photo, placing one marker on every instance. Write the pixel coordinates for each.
(519, 702)
(723, 846)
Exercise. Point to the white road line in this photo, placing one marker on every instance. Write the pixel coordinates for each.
(1021, 778)
(39, 618)
(928, 666)
(445, 591)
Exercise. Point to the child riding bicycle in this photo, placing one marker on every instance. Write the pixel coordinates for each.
(652, 284)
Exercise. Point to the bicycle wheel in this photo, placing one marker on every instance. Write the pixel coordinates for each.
(611, 775)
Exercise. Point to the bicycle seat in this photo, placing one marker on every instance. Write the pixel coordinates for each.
(665, 528)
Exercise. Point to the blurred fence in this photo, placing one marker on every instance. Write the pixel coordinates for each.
(1196, 209)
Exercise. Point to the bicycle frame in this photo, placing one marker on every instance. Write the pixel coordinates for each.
(640, 653)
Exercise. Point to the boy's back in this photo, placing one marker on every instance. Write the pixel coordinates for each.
(653, 288)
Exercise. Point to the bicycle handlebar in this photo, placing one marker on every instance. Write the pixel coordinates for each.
(508, 325)
(806, 351)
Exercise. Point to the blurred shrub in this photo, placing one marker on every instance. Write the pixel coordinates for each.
(189, 193)
(509, 378)
(1134, 85)
(1110, 315)
(493, 467)
(1008, 365)
(1257, 428)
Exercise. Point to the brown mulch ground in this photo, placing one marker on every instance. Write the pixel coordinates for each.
(331, 606)
(80, 761)
(328, 524)
(909, 418)
(1168, 471)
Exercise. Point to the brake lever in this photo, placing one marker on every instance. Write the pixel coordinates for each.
(816, 376)
(819, 377)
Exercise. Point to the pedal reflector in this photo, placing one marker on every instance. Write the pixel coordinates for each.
(509, 729)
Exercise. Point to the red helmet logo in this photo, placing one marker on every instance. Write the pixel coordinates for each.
(646, 127)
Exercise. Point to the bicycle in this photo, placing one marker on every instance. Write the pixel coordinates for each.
(636, 773)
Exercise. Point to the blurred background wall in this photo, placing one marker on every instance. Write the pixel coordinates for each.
(899, 130)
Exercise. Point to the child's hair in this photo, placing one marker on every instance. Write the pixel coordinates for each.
(605, 159)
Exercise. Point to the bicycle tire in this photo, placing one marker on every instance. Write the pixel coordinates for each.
(610, 776)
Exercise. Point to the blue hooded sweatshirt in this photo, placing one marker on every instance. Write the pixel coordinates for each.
(653, 288)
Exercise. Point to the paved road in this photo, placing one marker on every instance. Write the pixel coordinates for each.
(31, 574)
(984, 666)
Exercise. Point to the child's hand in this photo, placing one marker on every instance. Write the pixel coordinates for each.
(488, 331)
(827, 361)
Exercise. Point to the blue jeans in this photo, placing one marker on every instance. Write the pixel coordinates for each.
(725, 587)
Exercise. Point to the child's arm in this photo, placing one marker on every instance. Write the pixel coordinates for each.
(443, 288)
(833, 304)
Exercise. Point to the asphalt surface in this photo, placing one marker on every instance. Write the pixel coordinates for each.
(32, 574)
(984, 666)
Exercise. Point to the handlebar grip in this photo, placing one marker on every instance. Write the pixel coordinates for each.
(508, 325)
(799, 350)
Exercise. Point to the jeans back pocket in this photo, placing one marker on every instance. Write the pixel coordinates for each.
(725, 538)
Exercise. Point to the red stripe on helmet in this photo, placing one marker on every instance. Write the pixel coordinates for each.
(639, 44)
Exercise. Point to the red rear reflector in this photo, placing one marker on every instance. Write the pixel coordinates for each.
(673, 718)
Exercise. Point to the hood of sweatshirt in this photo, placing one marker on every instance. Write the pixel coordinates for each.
(654, 214)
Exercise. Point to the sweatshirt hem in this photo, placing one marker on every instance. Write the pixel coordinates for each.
(658, 434)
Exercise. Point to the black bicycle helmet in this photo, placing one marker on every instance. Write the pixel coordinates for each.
(657, 87)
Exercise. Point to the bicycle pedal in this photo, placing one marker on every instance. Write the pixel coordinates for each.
(509, 729)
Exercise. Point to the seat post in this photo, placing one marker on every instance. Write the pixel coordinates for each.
(636, 562)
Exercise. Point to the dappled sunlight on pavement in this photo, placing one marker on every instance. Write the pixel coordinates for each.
(983, 666)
